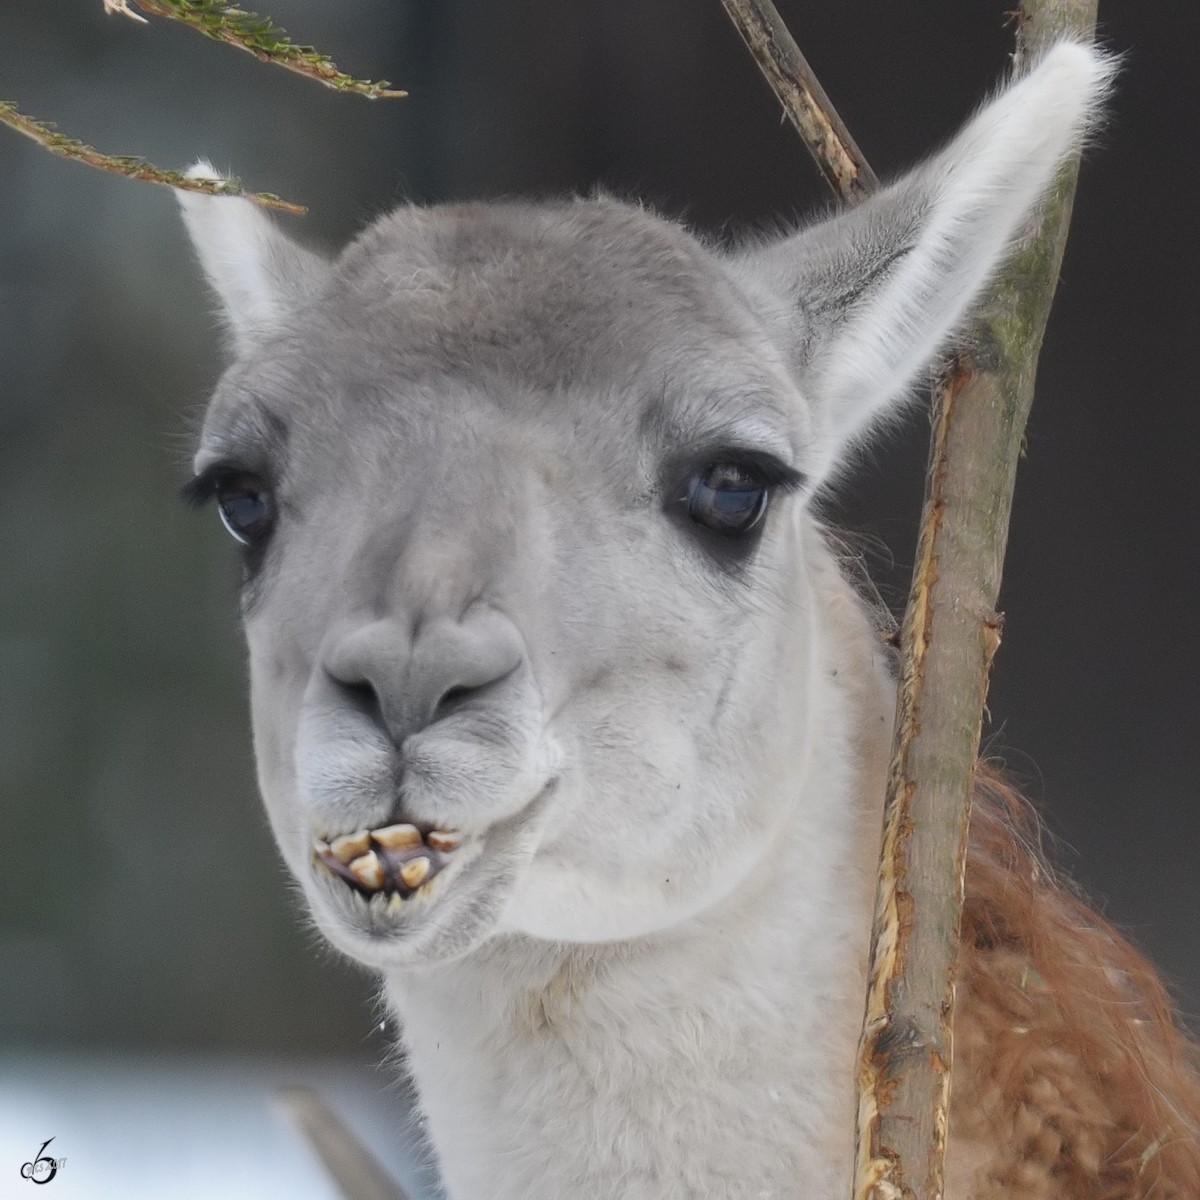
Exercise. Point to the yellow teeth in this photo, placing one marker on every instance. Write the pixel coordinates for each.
(351, 846)
(414, 873)
(368, 870)
(397, 837)
(389, 863)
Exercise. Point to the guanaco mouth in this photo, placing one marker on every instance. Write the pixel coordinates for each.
(396, 861)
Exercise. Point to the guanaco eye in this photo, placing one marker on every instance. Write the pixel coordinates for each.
(727, 497)
(244, 503)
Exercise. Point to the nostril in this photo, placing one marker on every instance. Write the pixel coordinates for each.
(362, 697)
(458, 697)
(453, 696)
(453, 699)
(403, 682)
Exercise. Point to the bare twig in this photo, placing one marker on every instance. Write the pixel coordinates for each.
(803, 99)
(950, 633)
(355, 1169)
(135, 168)
(256, 35)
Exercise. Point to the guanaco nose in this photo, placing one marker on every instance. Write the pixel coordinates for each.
(410, 681)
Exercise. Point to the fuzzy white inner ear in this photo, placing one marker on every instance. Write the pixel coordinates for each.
(877, 291)
(258, 272)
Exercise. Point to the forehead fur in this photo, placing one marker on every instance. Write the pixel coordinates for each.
(571, 293)
(615, 317)
(593, 325)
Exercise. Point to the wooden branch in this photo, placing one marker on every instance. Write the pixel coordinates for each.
(256, 35)
(50, 139)
(354, 1168)
(803, 99)
(950, 633)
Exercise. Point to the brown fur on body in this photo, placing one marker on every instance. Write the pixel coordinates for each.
(1072, 1078)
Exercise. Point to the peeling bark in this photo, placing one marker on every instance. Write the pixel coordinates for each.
(803, 99)
(949, 636)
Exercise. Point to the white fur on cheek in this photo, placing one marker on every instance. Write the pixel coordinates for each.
(640, 844)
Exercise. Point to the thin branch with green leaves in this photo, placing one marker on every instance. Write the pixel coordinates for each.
(46, 136)
(222, 22)
(256, 35)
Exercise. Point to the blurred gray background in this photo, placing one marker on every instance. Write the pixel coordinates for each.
(142, 905)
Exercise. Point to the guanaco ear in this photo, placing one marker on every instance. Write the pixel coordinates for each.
(863, 301)
(257, 271)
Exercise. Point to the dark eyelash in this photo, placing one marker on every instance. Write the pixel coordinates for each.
(773, 472)
(197, 492)
(205, 487)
